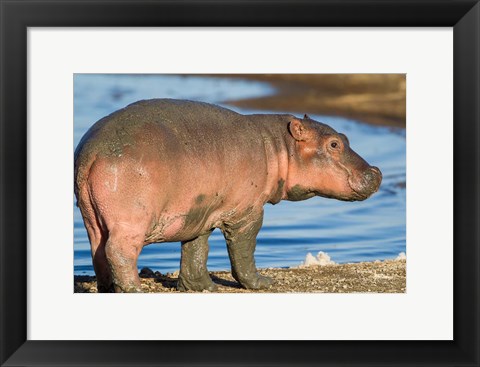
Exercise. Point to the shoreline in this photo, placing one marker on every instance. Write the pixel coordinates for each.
(377, 99)
(388, 276)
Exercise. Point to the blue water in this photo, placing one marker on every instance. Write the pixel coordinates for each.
(347, 231)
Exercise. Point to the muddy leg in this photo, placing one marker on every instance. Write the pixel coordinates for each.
(241, 241)
(122, 253)
(100, 264)
(193, 266)
(102, 269)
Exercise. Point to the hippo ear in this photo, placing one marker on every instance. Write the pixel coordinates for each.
(299, 131)
(306, 117)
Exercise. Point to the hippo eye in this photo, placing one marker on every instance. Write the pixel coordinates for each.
(333, 144)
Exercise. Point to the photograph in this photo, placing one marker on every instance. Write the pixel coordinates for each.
(239, 183)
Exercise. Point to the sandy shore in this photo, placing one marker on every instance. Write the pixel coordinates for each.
(372, 98)
(369, 277)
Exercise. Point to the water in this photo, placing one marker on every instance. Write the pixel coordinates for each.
(347, 231)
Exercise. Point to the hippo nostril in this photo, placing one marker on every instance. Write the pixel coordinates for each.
(373, 174)
(376, 170)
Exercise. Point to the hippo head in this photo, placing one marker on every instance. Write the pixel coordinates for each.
(324, 164)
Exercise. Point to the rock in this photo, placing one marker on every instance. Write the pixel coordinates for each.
(147, 273)
(321, 259)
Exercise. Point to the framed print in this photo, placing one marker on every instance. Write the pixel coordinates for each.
(68, 64)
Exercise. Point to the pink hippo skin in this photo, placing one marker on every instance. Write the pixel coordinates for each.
(171, 170)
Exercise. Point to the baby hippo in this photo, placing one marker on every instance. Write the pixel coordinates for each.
(166, 170)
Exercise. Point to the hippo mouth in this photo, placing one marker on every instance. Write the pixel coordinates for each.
(352, 197)
(365, 190)
(357, 196)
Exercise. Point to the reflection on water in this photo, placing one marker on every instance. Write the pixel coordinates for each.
(347, 231)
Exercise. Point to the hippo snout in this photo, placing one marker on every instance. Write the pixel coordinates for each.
(366, 183)
(372, 178)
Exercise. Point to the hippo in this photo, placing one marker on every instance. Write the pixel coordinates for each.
(166, 170)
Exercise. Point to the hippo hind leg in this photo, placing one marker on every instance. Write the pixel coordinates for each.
(241, 240)
(100, 263)
(193, 266)
(97, 239)
(122, 250)
(102, 270)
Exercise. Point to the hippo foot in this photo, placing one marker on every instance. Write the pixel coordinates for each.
(204, 283)
(101, 288)
(256, 282)
(130, 288)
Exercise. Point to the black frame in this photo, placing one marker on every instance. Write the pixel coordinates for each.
(17, 15)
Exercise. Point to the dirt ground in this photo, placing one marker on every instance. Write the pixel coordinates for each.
(372, 98)
(369, 277)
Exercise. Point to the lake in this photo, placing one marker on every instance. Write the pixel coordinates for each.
(374, 229)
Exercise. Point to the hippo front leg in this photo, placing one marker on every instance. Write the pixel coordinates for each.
(193, 266)
(241, 240)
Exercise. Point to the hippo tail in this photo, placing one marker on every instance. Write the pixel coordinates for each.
(83, 163)
(85, 155)
(97, 234)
